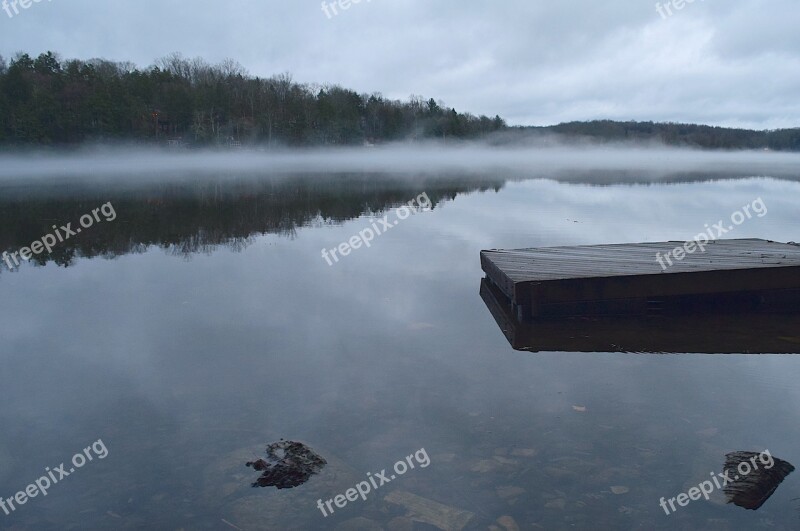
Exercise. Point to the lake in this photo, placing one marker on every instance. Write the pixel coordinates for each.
(202, 323)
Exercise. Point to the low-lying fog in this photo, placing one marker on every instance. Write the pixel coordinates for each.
(160, 165)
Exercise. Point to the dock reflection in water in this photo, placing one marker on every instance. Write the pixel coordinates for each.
(741, 333)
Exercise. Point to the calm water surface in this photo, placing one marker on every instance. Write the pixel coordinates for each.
(202, 324)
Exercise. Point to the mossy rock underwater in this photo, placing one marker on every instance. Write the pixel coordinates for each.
(228, 486)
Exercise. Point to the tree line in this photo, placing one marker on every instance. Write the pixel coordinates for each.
(50, 101)
(46, 100)
(674, 134)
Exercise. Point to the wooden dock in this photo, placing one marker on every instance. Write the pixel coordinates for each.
(729, 275)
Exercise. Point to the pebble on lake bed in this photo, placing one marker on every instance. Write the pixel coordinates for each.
(429, 511)
(524, 452)
(508, 523)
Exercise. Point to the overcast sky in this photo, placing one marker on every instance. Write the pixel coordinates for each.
(534, 62)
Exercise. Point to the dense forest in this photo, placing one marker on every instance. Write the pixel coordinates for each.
(49, 101)
(183, 102)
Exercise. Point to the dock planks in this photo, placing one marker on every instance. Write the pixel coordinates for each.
(745, 274)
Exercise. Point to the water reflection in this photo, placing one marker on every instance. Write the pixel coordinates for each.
(701, 333)
(188, 216)
(186, 367)
(197, 217)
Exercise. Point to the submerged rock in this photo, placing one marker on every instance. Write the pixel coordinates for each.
(359, 524)
(289, 464)
(524, 452)
(752, 484)
(509, 491)
(227, 491)
(430, 512)
(508, 523)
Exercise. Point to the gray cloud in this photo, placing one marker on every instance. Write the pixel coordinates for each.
(724, 63)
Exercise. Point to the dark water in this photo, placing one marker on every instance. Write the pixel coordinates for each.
(203, 323)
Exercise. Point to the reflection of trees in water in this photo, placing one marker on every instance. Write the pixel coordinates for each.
(198, 244)
(190, 218)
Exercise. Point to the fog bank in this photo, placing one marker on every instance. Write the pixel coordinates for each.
(160, 165)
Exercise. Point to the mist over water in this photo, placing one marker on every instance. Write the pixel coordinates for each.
(159, 165)
(202, 323)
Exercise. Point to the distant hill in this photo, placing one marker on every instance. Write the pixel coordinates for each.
(672, 134)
